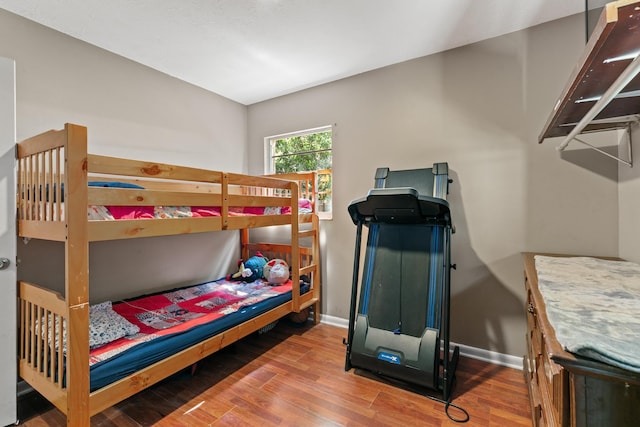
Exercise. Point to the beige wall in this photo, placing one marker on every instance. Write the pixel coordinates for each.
(130, 111)
(629, 188)
(479, 108)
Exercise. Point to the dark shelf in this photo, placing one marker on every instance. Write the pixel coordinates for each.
(613, 45)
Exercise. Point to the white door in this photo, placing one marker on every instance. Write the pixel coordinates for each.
(8, 368)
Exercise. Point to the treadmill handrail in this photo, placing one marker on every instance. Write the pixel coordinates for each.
(399, 205)
(393, 191)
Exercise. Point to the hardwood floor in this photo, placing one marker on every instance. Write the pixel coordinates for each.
(294, 376)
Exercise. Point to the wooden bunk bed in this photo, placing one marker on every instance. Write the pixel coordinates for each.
(53, 196)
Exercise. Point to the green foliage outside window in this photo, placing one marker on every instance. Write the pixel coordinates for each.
(304, 153)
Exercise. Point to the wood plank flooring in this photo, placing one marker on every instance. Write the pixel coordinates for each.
(294, 376)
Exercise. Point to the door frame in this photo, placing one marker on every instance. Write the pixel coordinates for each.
(8, 275)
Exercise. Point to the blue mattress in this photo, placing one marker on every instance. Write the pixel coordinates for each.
(146, 353)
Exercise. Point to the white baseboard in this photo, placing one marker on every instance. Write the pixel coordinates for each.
(489, 356)
(334, 321)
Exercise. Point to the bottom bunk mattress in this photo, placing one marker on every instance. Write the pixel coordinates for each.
(163, 324)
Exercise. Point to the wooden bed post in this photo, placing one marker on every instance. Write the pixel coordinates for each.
(295, 249)
(76, 275)
(317, 279)
(244, 242)
(224, 209)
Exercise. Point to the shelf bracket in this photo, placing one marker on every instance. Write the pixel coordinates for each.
(629, 73)
(628, 162)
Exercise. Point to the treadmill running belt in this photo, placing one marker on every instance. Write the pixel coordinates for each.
(401, 278)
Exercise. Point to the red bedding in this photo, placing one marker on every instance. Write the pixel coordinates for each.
(163, 212)
(176, 311)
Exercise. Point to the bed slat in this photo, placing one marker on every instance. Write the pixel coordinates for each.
(101, 196)
(136, 228)
(125, 167)
(40, 331)
(42, 142)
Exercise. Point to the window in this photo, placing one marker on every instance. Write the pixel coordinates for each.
(304, 151)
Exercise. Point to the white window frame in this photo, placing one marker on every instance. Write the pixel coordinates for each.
(269, 165)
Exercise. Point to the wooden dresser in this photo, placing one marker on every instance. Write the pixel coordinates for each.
(566, 390)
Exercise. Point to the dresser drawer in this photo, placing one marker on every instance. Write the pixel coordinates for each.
(538, 414)
(548, 381)
(553, 383)
(533, 329)
(534, 392)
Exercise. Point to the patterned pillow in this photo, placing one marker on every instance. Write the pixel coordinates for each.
(105, 325)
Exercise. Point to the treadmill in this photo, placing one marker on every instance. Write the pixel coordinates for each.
(401, 328)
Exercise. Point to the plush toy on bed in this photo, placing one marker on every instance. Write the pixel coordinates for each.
(249, 270)
(276, 271)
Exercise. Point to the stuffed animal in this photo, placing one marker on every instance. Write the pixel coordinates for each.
(249, 270)
(276, 271)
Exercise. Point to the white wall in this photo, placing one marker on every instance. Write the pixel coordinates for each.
(479, 108)
(130, 111)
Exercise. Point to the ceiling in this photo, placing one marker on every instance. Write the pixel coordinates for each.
(253, 50)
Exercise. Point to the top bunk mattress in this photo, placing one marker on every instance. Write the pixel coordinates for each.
(593, 306)
(49, 210)
(55, 165)
(110, 213)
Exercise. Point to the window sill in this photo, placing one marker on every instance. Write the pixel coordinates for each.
(325, 216)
